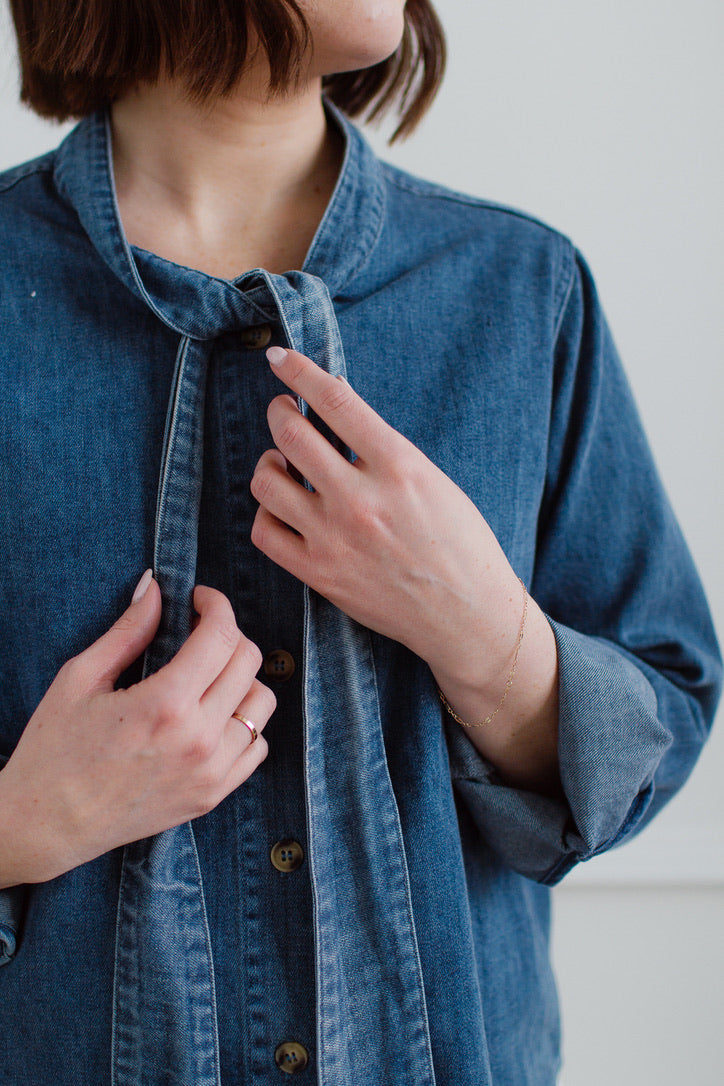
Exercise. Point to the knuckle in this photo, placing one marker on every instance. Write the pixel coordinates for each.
(288, 434)
(297, 366)
(261, 485)
(199, 751)
(335, 399)
(365, 519)
(74, 680)
(167, 710)
(228, 632)
(398, 470)
(216, 603)
(216, 794)
(267, 699)
(270, 701)
(212, 785)
(71, 671)
(250, 654)
(204, 800)
(410, 470)
(125, 623)
(258, 534)
(326, 580)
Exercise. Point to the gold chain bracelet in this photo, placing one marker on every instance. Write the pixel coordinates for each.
(509, 683)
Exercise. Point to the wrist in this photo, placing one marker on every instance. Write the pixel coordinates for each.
(482, 673)
(521, 740)
(31, 850)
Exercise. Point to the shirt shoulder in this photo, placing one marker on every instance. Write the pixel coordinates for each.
(29, 200)
(34, 216)
(430, 198)
(35, 168)
(481, 242)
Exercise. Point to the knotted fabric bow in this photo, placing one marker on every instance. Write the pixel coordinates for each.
(369, 983)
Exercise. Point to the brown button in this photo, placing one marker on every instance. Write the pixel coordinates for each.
(279, 665)
(253, 339)
(291, 1057)
(287, 855)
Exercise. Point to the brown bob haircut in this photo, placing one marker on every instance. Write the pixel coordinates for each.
(76, 56)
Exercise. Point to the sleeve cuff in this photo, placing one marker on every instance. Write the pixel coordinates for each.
(12, 909)
(610, 745)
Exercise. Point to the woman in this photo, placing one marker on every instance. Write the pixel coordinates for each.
(369, 902)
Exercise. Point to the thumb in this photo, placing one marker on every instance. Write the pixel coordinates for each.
(127, 638)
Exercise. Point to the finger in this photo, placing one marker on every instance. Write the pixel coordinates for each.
(209, 647)
(238, 676)
(257, 706)
(247, 762)
(275, 490)
(336, 403)
(303, 446)
(104, 660)
(244, 753)
(298, 478)
(279, 543)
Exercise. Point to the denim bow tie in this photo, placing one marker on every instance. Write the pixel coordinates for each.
(164, 1002)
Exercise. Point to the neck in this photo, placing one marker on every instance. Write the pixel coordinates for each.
(240, 183)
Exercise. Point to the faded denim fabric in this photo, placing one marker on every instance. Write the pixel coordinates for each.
(411, 947)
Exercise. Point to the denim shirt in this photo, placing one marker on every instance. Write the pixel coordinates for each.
(410, 945)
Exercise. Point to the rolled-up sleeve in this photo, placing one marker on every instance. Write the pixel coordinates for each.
(639, 666)
(12, 908)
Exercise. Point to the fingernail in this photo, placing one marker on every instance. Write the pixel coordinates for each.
(276, 355)
(342, 379)
(142, 586)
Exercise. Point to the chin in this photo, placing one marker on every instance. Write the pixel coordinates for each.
(358, 34)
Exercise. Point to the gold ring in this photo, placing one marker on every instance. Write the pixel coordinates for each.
(249, 725)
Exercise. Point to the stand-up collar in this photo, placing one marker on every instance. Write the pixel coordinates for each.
(191, 302)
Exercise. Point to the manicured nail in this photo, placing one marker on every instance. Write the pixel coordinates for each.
(276, 355)
(142, 586)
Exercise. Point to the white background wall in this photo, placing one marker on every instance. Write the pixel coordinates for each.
(607, 120)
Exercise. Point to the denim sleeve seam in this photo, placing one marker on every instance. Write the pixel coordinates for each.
(429, 190)
(568, 269)
(14, 176)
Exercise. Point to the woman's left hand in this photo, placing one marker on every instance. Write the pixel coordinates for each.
(389, 539)
(393, 542)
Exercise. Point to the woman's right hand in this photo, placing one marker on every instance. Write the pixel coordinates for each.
(97, 767)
